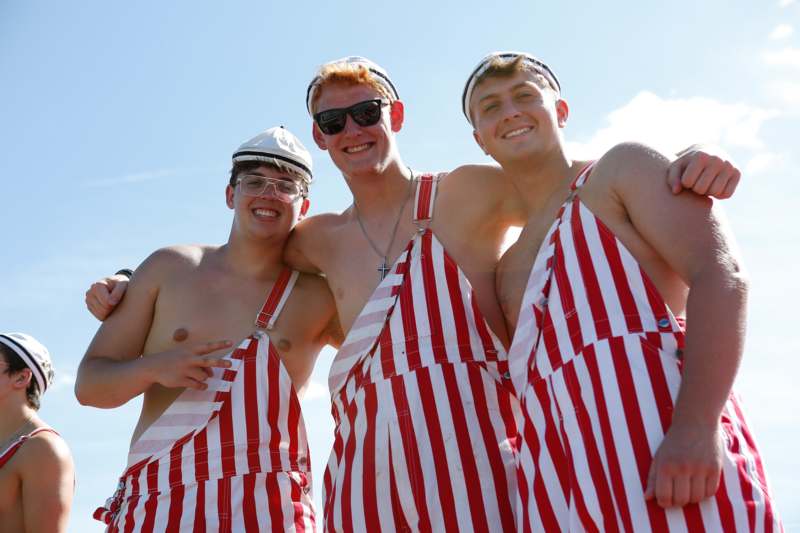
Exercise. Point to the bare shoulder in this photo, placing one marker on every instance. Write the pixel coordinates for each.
(310, 241)
(630, 164)
(314, 286)
(479, 176)
(171, 260)
(45, 450)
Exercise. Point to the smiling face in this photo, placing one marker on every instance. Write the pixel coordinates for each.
(266, 215)
(359, 151)
(516, 117)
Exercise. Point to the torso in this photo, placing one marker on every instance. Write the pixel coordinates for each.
(474, 209)
(598, 196)
(12, 459)
(198, 302)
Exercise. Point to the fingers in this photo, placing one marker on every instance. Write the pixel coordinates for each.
(118, 290)
(663, 489)
(692, 170)
(712, 483)
(731, 183)
(697, 489)
(681, 490)
(216, 361)
(189, 383)
(703, 183)
(208, 347)
(96, 306)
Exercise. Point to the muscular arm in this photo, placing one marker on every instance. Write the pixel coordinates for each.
(112, 370)
(689, 233)
(48, 481)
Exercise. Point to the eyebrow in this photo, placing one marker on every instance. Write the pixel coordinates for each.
(513, 88)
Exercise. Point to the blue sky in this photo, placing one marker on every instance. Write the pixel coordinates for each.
(118, 121)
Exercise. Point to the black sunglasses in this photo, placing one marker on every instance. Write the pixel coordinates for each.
(366, 113)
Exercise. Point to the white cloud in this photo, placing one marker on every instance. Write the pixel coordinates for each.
(148, 175)
(763, 162)
(63, 379)
(785, 3)
(781, 31)
(785, 91)
(788, 57)
(671, 124)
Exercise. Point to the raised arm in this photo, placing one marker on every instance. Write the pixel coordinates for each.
(113, 370)
(704, 170)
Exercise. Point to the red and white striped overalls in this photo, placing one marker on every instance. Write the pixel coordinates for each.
(596, 361)
(231, 458)
(423, 409)
(9, 452)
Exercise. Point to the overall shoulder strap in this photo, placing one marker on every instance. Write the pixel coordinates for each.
(425, 198)
(582, 176)
(276, 299)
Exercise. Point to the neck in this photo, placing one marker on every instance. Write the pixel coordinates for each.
(381, 193)
(252, 258)
(538, 178)
(17, 414)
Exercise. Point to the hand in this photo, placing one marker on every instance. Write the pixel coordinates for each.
(187, 366)
(686, 467)
(704, 174)
(105, 294)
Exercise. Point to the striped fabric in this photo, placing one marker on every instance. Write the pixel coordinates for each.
(425, 418)
(9, 452)
(231, 458)
(596, 361)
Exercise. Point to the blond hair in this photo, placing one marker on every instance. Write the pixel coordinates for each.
(499, 67)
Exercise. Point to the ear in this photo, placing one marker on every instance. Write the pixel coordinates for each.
(304, 207)
(397, 114)
(22, 379)
(562, 112)
(229, 196)
(319, 137)
(477, 137)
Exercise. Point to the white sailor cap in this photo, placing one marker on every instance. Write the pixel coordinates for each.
(33, 354)
(277, 145)
(381, 76)
(538, 65)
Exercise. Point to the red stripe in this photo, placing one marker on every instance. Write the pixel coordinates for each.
(295, 493)
(275, 295)
(226, 439)
(588, 438)
(368, 487)
(622, 288)
(200, 508)
(275, 503)
(224, 504)
(589, 276)
(400, 523)
(251, 414)
(249, 513)
(633, 418)
(151, 504)
(345, 500)
(567, 301)
(607, 433)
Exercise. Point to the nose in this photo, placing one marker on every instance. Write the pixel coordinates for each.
(350, 125)
(270, 191)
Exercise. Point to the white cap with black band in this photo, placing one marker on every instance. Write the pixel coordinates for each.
(33, 354)
(277, 145)
(538, 65)
(381, 76)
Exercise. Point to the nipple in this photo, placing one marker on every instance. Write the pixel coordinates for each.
(284, 345)
(180, 335)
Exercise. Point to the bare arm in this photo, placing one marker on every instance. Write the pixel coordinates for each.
(113, 371)
(48, 484)
(691, 236)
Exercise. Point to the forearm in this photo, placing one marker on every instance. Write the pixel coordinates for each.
(716, 316)
(107, 383)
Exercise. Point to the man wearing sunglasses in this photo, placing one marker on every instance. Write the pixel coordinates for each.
(220, 444)
(421, 399)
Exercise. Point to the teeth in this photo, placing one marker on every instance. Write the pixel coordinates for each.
(516, 132)
(355, 149)
(265, 213)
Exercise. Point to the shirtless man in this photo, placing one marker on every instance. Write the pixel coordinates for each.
(37, 477)
(629, 420)
(220, 443)
(422, 374)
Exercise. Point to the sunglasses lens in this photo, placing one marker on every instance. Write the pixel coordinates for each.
(331, 122)
(366, 113)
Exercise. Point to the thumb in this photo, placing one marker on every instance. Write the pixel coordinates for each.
(117, 292)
